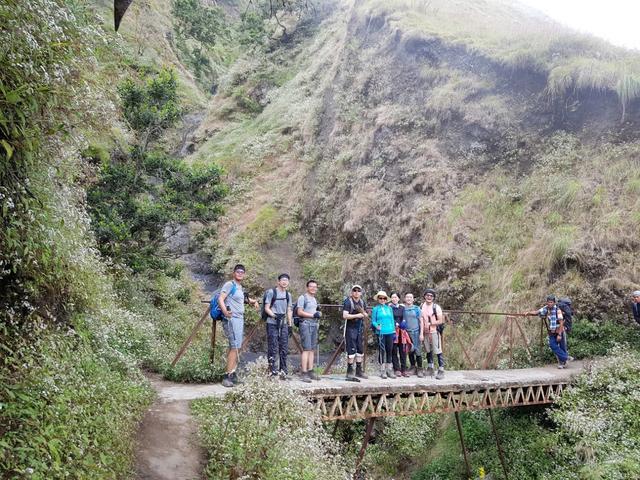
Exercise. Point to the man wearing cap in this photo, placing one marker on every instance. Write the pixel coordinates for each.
(278, 310)
(635, 306)
(354, 310)
(432, 317)
(231, 301)
(555, 328)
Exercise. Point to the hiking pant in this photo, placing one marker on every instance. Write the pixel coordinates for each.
(432, 343)
(440, 359)
(399, 357)
(278, 343)
(354, 342)
(386, 347)
(557, 347)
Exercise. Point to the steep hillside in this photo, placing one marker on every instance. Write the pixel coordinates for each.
(478, 147)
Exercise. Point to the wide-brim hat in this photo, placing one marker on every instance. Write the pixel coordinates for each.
(381, 293)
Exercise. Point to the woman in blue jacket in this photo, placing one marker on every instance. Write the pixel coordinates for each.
(382, 321)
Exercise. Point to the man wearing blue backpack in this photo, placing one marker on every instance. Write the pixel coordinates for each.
(231, 302)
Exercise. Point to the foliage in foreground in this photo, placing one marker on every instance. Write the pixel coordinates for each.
(265, 430)
(593, 432)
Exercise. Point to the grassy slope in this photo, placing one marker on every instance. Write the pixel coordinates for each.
(440, 147)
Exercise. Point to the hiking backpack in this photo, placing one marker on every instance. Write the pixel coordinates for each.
(215, 312)
(564, 304)
(274, 297)
(296, 315)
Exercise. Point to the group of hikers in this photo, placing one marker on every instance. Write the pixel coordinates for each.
(402, 330)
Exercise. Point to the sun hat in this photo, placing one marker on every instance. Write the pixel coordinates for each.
(381, 293)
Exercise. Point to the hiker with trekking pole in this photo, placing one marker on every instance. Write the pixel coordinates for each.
(383, 322)
(354, 313)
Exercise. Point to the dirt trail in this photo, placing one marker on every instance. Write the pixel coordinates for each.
(167, 445)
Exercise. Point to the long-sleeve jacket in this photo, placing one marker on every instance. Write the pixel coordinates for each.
(382, 316)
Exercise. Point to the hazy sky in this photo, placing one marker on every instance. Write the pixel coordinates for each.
(613, 20)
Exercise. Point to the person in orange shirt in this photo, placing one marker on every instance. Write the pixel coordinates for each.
(432, 319)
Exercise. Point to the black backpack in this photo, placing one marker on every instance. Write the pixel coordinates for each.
(564, 304)
(296, 315)
(263, 313)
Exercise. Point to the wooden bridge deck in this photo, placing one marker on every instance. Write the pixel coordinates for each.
(337, 399)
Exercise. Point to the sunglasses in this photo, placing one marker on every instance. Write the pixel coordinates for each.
(356, 290)
(382, 298)
(239, 271)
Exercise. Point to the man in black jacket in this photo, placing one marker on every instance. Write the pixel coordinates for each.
(635, 306)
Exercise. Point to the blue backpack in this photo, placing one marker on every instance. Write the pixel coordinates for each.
(216, 312)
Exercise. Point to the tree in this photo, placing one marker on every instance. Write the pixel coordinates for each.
(150, 108)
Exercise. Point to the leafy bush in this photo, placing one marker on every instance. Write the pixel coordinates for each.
(265, 430)
(71, 414)
(590, 339)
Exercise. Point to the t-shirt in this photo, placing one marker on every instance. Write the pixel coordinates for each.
(346, 306)
(280, 306)
(311, 306)
(427, 312)
(411, 315)
(235, 302)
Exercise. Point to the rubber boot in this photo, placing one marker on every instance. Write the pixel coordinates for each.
(390, 372)
(383, 370)
(350, 377)
(359, 372)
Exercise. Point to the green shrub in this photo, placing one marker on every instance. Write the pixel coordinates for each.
(590, 339)
(265, 430)
(71, 414)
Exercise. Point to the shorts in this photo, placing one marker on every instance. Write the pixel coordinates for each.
(308, 335)
(234, 330)
(353, 340)
(432, 343)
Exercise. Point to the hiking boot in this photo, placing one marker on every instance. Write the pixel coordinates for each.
(359, 372)
(227, 382)
(430, 371)
(350, 376)
(305, 377)
(406, 374)
(420, 373)
(283, 375)
(390, 372)
(313, 375)
(235, 379)
(412, 371)
(383, 371)
(562, 365)
(398, 373)
(440, 374)
(570, 358)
